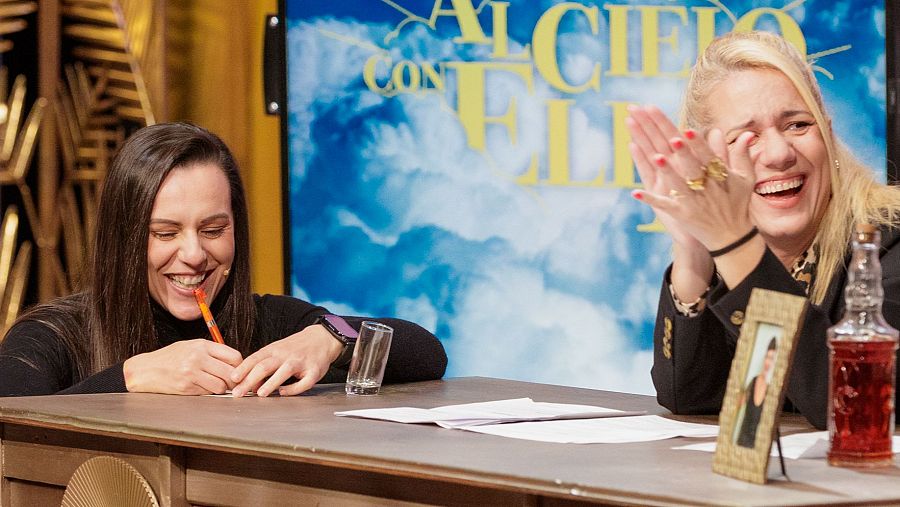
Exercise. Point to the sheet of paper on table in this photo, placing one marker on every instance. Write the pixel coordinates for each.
(546, 422)
(488, 412)
(813, 445)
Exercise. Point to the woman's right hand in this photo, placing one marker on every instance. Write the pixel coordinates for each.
(643, 147)
(187, 367)
(692, 267)
(714, 214)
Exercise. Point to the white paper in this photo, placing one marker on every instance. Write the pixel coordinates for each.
(618, 430)
(489, 412)
(544, 422)
(812, 445)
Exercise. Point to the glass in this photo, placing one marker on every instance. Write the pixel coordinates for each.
(862, 350)
(369, 358)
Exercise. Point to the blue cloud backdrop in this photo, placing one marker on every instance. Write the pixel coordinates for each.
(391, 212)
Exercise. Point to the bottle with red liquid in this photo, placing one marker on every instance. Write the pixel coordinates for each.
(862, 349)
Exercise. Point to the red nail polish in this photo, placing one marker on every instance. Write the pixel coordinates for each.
(637, 194)
(690, 134)
(677, 143)
(660, 160)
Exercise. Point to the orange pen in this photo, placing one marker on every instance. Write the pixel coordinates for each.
(200, 294)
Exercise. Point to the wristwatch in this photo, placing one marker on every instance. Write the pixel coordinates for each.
(343, 333)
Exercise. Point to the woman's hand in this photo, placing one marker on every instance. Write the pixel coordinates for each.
(647, 144)
(305, 355)
(700, 190)
(186, 367)
(714, 213)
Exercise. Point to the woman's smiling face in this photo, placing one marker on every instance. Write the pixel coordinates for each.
(191, 238)
(793, 179)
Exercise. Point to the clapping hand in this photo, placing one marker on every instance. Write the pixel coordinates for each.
(699, 188)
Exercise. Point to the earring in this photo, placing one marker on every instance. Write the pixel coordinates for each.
(837, 164)
(226, 272)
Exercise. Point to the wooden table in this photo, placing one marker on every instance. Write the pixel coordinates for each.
(294, 451)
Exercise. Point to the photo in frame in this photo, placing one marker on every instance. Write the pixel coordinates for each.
(756, 384)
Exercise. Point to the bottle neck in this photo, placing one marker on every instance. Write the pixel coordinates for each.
(864, 293)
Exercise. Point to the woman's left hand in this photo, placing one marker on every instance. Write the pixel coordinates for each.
(305, 355)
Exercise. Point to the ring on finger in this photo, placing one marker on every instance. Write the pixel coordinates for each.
(716, 169)
(696, 183)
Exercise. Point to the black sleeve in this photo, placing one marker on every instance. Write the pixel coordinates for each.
(415, 354)
(692, 360)
(691, 356)
(281, 316)
(34, 361)
(890, 266)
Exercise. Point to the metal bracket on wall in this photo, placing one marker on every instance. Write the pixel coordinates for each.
(273, 65)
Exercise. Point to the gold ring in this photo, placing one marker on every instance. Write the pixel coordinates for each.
(674, 194)
(696, 183)
(716, 169)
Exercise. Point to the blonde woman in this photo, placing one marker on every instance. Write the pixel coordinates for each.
(755, 191)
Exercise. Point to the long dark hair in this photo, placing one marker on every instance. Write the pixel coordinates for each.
(116, 308)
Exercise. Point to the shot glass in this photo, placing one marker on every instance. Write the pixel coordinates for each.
(369, 358)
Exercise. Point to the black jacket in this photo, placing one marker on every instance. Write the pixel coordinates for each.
(692, 355)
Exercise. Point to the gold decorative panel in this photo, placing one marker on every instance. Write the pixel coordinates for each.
(17, 143)
(113, 54)
(11, 21)
(115, 40)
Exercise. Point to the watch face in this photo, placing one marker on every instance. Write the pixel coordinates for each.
(340, 328)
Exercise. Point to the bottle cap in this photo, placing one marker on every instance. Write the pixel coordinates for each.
(865, 233)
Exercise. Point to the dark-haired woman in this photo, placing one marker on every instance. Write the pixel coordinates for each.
(173, 218)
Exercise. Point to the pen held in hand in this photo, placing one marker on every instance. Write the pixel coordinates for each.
(200, 294)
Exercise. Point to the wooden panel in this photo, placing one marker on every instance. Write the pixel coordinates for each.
(33, 495)
(217, 489)
(48, 27)
(214, 477)
(171, 468)
(51, 457)
(55, 465)
(4, 483)
(261, 174)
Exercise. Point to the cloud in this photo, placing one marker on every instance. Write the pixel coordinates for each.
(547, 335)
(398, 215)
(530, 266)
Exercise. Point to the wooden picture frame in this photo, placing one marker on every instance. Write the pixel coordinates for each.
(756, 384)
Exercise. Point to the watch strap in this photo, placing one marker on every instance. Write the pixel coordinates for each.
(334, 323)
(343, 360)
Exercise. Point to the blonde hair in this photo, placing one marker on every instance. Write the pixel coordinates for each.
(855, 194)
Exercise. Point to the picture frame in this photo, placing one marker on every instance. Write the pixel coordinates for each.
(757, 383)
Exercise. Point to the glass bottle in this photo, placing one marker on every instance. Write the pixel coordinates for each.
(862, 348)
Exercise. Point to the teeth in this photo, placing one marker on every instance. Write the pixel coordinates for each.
(781, 186)
(187, 282)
